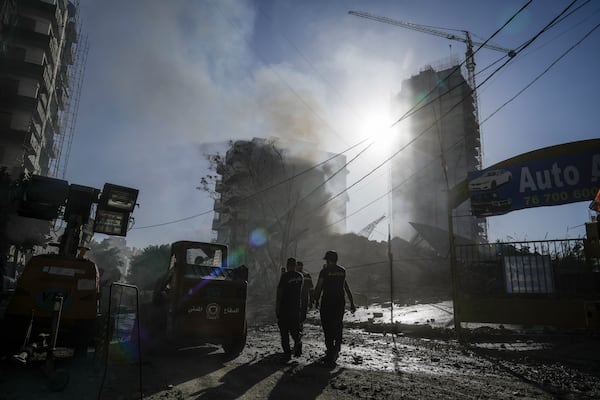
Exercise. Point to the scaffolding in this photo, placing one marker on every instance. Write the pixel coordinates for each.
(74, 78)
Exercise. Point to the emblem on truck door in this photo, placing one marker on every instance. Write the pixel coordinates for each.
(212, 311)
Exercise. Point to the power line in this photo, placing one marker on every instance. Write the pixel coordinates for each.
(174, 221)
(553, 39)
(542, 73)
(408, 113)
(393, 189)
(412, 109)
(259, 191)
(520, 49)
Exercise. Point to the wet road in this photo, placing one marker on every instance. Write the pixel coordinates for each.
(371, 366)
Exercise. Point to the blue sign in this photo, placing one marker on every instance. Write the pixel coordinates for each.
(568, 178)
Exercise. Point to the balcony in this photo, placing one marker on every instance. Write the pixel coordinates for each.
(221, 221)
(68, 55)
(39, 114)
(231, 198)
(220, 207)
(219, 186)
(9, 133)
(32, 146)
(32, 38)
(71, 32)
(51, 150)
(31, 164)
(63, 75)
(14, 101)
(233, 172)
(54, 125)
(23, 68)
(45, 9)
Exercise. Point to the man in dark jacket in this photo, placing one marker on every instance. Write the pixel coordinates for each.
(307, 292)
(287, 308)
(332, 284)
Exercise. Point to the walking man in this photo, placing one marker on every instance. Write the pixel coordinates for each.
(307, 293)
(332, 285)
(287, 308)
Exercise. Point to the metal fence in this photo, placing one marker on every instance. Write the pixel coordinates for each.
(543, 268)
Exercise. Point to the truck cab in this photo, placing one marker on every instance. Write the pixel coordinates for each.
(199, 298)
(75, 280)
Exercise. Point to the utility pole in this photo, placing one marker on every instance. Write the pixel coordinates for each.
(391, 262)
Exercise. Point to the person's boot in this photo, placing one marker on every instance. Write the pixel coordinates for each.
(298, 349)
(287, 352)
(21, 358)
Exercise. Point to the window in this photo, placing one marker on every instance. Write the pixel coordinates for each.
(205, 262)
(204, 257)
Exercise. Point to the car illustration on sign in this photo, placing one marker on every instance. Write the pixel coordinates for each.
(490, 180)
(489, 203)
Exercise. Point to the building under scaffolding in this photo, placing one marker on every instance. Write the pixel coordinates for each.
(42, 56)
(42, 60)
(442, 145)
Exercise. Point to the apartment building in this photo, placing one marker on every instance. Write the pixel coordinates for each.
(39, 85)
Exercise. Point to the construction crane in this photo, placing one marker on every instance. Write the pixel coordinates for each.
(469, 59)
(367, 230)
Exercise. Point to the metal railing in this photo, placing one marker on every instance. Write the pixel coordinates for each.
(543, 268)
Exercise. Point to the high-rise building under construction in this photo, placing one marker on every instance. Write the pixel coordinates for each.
(442, 144)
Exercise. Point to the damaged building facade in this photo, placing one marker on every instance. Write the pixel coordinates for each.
(445, 131)
(274, 195)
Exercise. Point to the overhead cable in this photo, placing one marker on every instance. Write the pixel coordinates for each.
(541, 74)
(523, 47)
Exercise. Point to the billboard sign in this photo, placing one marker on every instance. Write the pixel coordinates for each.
(546, 177)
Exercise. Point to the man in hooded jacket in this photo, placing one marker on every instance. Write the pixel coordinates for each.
(287, 308)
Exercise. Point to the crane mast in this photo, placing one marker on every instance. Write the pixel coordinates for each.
(469, 58)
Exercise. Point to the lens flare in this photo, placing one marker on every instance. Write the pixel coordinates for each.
(237, 256)
(258, 237)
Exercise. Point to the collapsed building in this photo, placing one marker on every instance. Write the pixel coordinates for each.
(276, 199)
(273, 186)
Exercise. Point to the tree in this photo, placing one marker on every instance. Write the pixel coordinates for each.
(147, 266)
(109, 260)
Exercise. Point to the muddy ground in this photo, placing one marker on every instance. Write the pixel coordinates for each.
(413, 363)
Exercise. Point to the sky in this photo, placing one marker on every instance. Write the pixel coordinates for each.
(165, 79)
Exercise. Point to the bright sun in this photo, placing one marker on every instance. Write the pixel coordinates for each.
(377, 125)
